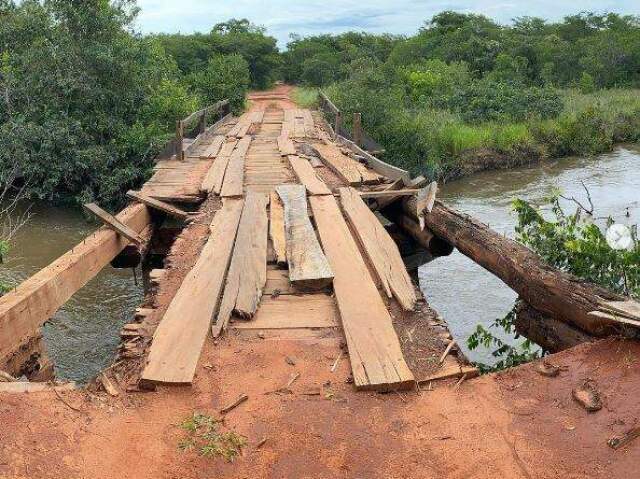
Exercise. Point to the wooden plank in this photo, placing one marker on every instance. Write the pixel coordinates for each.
(113, 223)
(35, 387)
(374, 349)
(248, 270)
(309, 124)
(293, 312)
(214, 148)
(379, 166)
(308, 266)
(286, 146)
(388, 193)
(212, 182)
(24, 309)
(276, 228)
(307, 176)
(178, 340)
(381, 250)
(348, 169)
(159, 205)
(234, 177)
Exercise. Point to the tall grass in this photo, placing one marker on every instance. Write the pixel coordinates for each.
(305, 97)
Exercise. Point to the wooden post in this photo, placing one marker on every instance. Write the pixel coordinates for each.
(203, 121)
(338, 125)
(179, 140)
(357, 129)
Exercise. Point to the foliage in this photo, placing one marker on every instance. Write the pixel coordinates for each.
(203, 435)
(225, 77)
(508, 356)
(305, 97)
(85, 104)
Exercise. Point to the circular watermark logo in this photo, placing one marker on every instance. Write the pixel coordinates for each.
(619, 237)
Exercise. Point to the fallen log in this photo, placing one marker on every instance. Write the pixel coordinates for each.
(549, 333)
(549, 290)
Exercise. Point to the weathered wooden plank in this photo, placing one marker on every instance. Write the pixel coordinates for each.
(248, 270)
(35, 387)
(348, 169)
(212, 182)
(374, 349)
(112, 222)
(26, 308)
(307, 176)
(309, 124)
(158, 205)
(214, 148)
(276, 228)
(178, 340)
(384, 169)
(234, 177)
(308, 266)
(285, 145)
(293, 312)
(380, 248)
(388, 193)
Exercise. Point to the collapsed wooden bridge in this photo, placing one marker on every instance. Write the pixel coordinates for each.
(288, 240)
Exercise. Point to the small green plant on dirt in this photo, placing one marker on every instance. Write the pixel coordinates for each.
(510, 356)
(570, 242)
(203, 435)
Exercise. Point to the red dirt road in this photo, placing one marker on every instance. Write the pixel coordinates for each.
(514, 425)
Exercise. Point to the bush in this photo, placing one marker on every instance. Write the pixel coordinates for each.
(226, 77)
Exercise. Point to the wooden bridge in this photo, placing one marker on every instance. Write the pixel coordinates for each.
(277, 233)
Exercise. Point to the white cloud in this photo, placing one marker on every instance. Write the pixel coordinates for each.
(282, 17)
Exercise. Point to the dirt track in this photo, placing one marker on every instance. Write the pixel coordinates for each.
(516, 424)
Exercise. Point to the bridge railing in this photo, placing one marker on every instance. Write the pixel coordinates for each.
(357, 139)
(193, 125)
(357, 133)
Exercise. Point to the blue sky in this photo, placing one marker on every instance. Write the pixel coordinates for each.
(282, 17)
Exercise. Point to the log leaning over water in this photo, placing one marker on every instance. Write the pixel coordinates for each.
(550, 291)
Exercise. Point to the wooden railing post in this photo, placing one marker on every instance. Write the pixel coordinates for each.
(338, 125)
(179, 140)
(357, 129)
(203, 121)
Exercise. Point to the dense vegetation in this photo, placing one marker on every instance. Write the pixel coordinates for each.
(466, 93)
(85, 102)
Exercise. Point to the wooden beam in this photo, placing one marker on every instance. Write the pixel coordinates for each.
(158, 205)
(214, 148)
(382, 251)
(178, 340)
(348, 169)
(376, 358)
(113, 223)
(307, 176)
(388, 193)
(248, 269)
(376, 164)
(308, 267)
(214, 178)
(26, 308)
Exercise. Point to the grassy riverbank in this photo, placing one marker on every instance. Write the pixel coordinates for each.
(443, 145)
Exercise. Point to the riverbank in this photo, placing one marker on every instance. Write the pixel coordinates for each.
(440, 145)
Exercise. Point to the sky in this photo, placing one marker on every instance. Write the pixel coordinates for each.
(311, 17)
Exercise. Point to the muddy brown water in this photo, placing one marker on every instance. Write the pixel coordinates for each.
(83, 336)
(464, 293)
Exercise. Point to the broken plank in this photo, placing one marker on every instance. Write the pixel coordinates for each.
(234, 176)
(276, 228)
(348, 169)
(248, 270)
(158, 205)
(380, 248)
(307, 176)
(112, 222)
(214, 178)
(308, 266)
(376, 358)
(285, 145)
(293, 312)
(388, 193)
(214, 148)
(178, 340)
(24, 309)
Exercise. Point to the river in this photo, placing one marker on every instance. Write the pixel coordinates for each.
(464, 293)
(83, 336)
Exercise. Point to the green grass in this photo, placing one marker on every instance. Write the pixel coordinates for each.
(306, 97)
